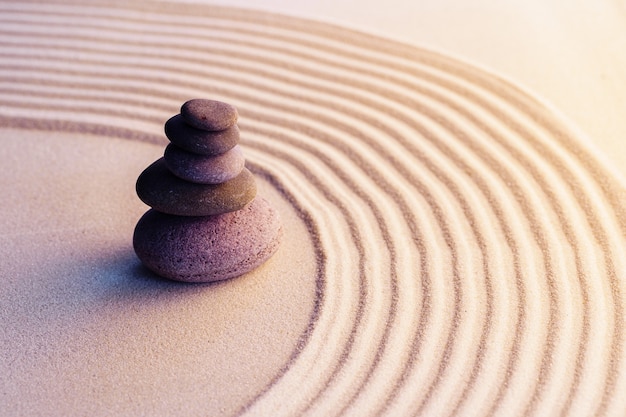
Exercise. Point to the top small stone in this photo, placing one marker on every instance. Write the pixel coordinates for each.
(209, 115)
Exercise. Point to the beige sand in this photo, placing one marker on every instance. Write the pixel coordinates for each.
(454, 246)
(87, 331)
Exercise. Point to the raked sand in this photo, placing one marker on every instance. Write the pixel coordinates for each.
(452, 246)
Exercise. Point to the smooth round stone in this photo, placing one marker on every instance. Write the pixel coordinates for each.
(165, 192)
(209, 115)
(204, 169)
(199, 141)
(204, 249)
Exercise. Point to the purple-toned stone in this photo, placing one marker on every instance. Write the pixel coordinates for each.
(209, 115)
(165, 192)
(205, 249)
(203, 169)
(199, 141)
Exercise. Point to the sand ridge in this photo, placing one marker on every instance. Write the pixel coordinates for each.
(469, 243)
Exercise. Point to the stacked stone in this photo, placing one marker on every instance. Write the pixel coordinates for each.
(206, 222)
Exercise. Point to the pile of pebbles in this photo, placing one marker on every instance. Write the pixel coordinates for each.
(206, 222)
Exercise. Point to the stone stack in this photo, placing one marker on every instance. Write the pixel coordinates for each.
(206, 222)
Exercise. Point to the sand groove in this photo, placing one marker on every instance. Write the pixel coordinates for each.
(470, 244)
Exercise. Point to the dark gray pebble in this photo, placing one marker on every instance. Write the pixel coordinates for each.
(204, 169)
(209, 115)
(165, 192)
(204, 249)
(200, 141)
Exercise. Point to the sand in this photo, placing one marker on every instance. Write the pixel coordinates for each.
(453, 245)
(88, 331)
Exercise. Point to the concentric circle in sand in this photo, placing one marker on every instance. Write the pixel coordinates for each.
(469, 243)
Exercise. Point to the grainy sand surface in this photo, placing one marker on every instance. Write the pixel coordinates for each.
(452, 246)
(88, 331)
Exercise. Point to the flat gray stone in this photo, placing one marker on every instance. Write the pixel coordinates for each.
(165, 192)
(204, 169)
(205, 249)
(209, 115)
(199, 141)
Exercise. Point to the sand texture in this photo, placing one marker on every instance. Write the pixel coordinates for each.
(451, 246)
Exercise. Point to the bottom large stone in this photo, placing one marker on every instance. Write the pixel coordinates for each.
(211, 248)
